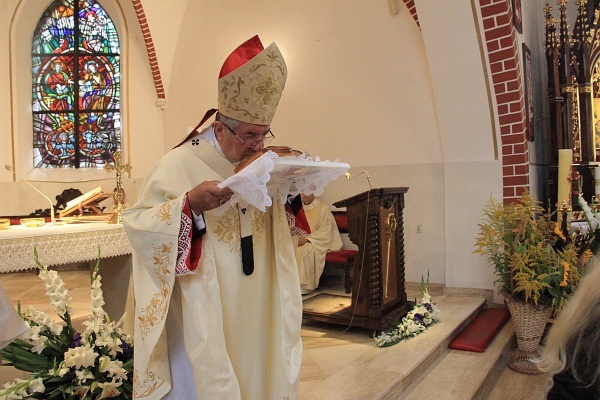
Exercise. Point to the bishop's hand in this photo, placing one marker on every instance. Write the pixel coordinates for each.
(207, 196)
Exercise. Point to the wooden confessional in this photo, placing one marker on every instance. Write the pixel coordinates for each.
(376, 226)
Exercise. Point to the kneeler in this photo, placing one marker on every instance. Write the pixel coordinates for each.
(481, 331)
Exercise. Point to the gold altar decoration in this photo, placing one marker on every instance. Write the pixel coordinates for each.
(573, 61)
(119, 168)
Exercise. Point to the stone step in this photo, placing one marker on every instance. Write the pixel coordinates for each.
(464, 374)
(364, 372)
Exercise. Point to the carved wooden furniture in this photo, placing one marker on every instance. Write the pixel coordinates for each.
(376, 226)
(574, 96)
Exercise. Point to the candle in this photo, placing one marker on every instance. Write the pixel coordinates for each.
(565, 159)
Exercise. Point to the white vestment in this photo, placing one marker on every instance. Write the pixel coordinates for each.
(324, 236)
(241, 334)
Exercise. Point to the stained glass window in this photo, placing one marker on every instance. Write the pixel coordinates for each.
(76, 87)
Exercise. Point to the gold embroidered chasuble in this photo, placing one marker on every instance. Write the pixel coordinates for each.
(241, 333)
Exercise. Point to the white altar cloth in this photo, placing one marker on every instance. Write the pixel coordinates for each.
(60, 244)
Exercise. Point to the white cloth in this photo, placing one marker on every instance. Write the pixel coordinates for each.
(241, 333)
(11, 324)
(324, 236)
(249, 185)
(272, 177)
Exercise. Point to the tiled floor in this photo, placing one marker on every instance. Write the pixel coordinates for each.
(327, 348)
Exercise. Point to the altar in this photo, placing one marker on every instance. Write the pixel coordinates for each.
(70, 243)
(60, 244)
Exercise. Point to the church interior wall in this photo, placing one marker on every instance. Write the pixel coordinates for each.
(424, 211)
(408, 105)
(358, 89)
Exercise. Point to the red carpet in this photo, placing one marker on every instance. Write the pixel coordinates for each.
(481, 331)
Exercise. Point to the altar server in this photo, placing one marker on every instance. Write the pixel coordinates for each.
(217, 296)
(324, 236)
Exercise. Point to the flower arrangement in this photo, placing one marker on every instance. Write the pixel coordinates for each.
(533, 259)
(590, 239)
(95, 363)
(422, 315)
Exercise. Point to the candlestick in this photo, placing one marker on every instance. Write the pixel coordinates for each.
(119, 167)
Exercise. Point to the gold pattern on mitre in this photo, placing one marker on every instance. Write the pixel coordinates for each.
(251, 93)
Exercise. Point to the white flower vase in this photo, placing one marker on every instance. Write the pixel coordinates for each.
(529, 322)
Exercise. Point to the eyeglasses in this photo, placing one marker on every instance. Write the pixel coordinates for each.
(253, 141)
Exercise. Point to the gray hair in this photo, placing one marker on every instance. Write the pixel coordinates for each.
(230, 122)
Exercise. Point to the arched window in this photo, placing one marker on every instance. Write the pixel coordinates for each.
(76, 87)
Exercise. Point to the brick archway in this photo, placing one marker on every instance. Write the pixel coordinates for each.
(152, 58)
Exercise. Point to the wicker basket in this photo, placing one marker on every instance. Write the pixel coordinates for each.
(529, 322)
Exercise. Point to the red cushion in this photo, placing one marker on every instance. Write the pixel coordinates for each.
(481, 331)
(340, 256)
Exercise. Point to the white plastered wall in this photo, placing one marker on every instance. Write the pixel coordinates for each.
(408, 105)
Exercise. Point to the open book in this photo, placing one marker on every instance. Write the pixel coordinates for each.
(86, 201)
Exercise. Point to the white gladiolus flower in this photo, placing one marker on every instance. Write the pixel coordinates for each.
(83, 375)
(75, 358)
(18, 389)
(92, 326)
(42, 319)
(37, 386)
(589, 215)
(63, 370)
(39, 345)
(9, 390)
(97, 296)
(56, 291)
(80, 357)
(31, 334)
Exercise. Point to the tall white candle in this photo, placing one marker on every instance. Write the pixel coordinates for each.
(565, 159)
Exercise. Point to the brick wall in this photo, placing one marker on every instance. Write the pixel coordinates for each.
(505, 68)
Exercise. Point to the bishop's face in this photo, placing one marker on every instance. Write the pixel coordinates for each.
(243, 141)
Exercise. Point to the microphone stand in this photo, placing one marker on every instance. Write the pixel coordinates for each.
(52, 218)
(364, 172)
